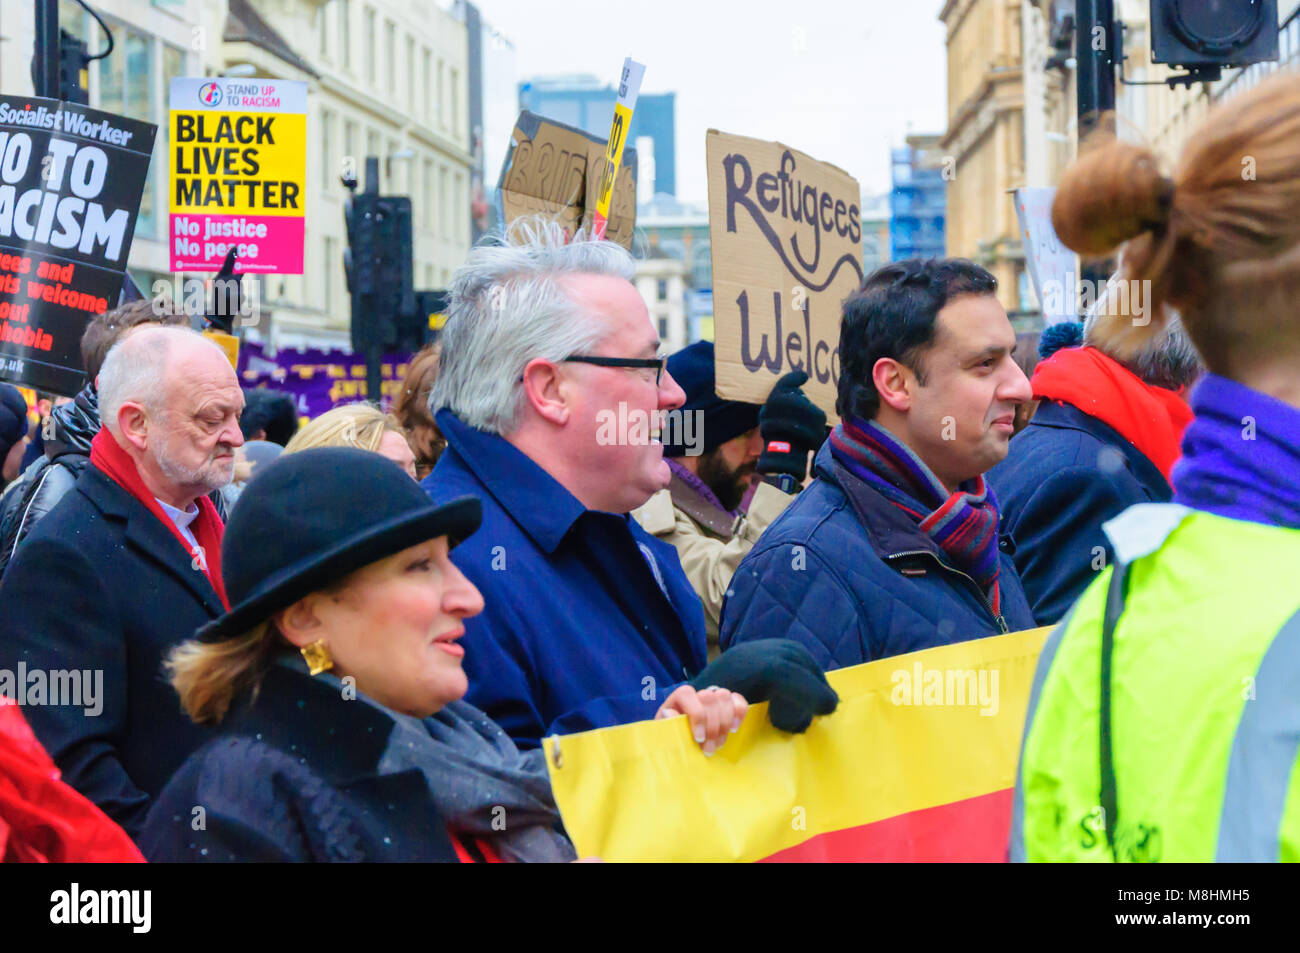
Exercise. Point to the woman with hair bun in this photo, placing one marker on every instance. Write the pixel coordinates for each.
(1164, 722)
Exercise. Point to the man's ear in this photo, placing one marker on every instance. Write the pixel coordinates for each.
(133, 424)
(895, 383)
(299, 623)
(547, 391)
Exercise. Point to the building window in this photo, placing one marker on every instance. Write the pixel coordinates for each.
(661, 291)
(426, 213)
(390, 54)
(330, 270)
(369, 50)
(455, 103)
(345, 32)
(428, 85)
(459, 201)
(323, 17)
(326, 149)
(438, 90)
(444, 227)
(410, 72)
(350, 146)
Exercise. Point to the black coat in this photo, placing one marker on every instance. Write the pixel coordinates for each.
(1065, 475)
(102, 584)
(296, 777)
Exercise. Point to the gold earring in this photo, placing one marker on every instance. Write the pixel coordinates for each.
(317, 656)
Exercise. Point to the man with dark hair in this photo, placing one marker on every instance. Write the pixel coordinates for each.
(894, 547)
(71, 426)
(268, 415)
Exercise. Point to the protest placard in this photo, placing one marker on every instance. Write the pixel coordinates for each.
(238, 174)
(71, 179)
(786, 236)
(555, 170)
(1053, 268)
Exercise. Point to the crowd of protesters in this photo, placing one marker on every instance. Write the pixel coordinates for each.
(347, 640)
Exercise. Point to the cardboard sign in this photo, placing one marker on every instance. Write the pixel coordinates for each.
(1053, 268)
(71, 178)
(786, 235)
(238, 174)
(555, 170)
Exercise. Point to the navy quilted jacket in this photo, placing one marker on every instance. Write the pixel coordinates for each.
(853, 587)
(1066, 474)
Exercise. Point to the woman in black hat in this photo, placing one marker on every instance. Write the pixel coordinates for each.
(336, 678)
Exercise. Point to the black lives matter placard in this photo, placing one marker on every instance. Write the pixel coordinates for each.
(71, 178)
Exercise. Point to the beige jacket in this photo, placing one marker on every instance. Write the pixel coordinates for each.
(709, 543)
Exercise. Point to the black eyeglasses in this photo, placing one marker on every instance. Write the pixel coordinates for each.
(657, 363)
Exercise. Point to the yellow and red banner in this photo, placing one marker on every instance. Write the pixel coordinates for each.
(918, 763)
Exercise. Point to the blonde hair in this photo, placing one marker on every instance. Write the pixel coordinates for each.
(353, 425)
(1219, 241)
(208, 676)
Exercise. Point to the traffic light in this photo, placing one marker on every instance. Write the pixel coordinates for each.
(396, 294)
(359, 257)
(73, 76)
(378, 267)
(1207, 35)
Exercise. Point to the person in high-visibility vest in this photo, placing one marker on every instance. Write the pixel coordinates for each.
(1164, 719)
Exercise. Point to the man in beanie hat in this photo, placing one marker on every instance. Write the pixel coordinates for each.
(714, 447)
(13, 431)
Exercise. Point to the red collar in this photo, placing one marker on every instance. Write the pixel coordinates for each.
(1151, 418)
(107, 456)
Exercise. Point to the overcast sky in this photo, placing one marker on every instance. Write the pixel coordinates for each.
(841, 81)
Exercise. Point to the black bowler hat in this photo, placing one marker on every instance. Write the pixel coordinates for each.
(308, 519)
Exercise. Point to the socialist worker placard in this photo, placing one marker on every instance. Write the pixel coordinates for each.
(71, 178)
(238, 174)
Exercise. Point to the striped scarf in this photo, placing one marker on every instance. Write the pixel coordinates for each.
(963, 524)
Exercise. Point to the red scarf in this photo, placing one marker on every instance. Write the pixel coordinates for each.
(116, 464)
(1151, 418)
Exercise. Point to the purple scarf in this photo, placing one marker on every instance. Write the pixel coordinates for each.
(696, 484)
(1241, 455)
(964, 524)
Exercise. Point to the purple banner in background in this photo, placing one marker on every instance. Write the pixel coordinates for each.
(318, 380)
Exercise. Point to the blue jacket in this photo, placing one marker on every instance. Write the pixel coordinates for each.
(854, 586)
(589, 621)
(1066, 474)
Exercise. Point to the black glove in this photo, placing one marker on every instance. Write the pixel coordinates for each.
(792, 426)
(780, 671)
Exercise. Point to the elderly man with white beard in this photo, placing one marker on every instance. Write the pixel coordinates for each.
(127, 565)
